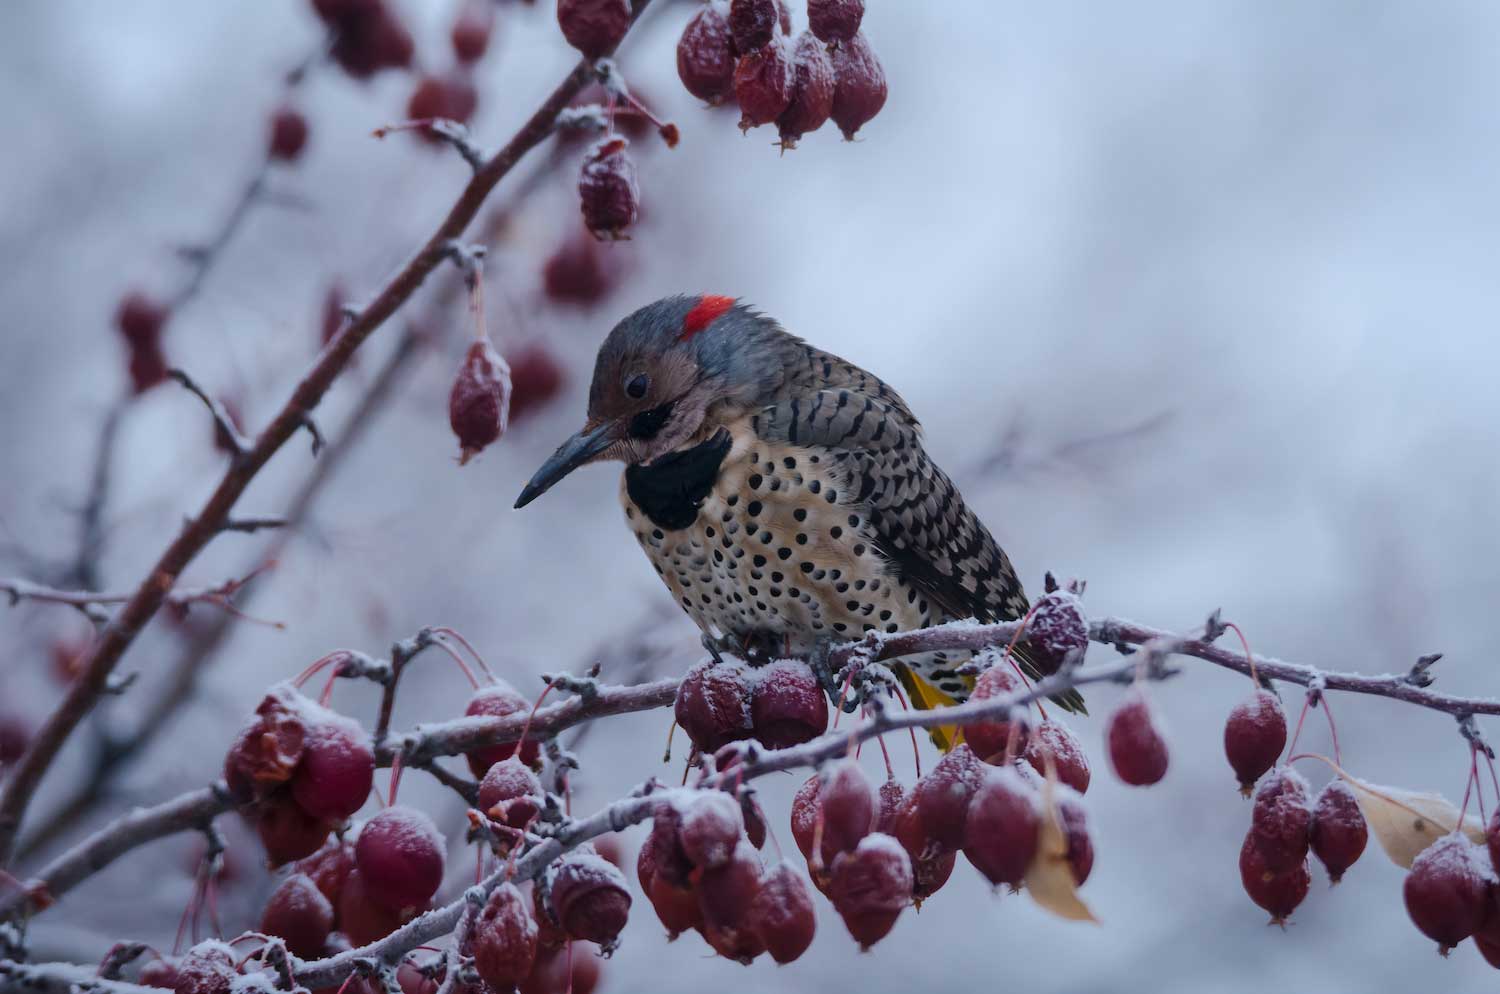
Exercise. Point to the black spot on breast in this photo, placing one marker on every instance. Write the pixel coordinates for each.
(671, 489)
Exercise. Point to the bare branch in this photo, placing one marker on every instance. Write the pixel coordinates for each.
(251, 525)
(221, 595)
(229, 432)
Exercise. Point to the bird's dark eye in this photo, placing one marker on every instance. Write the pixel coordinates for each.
(636, 387)
(647, 423)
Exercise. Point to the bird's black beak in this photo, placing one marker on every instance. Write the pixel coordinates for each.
(573, 453)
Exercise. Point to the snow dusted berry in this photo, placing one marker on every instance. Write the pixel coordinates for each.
(268, 749)
(589, 897)
(1075, 826)
(781, 913)
(725, 896)
(1280, 822)
(870, 887)
(712, 825)
(752, 23)
(787, 707)
(160, 972)
(399, 855)
(848, 803)
(471, 30)
(298, 912)
(1058, 629)
(594, 27)
(1447, 891)
(608, 192)
(714, 706)
(337, 768)
(1338, 829)
(1000, 836)
(941, 798)
(510, 794)
(579, 272)
(499, 700)
(763, 83)
(329, 868)
(1137, 751)
(504, 939)
(362, 918)
(992, 740)
(208, 968)
(668, 858)
(806, 810)
(287, 832)
(1054, 739)
(812, 91)
(675, 903)
(288, 134)
(451, 98)
(479, 403)
(1277, 893)
(859, 86)
(140, 319)
(834, 21)
(705, 55)
(1254, 736)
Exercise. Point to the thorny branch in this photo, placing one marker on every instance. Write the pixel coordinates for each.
(148, 598)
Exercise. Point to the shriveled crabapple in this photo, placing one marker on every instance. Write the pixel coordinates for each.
(1278, 893)
(1280, 821)
(329, 867)
(859, 85)
(287, 832)
(337, 768)
(594, 27)
(364, 919)
(536, 377)
(160, 972)
(269, 748)
(993, 738)
(834, 21)
(589, 897)
(208, 968)
(1055, 740)
(1000, 836)
(725, 895)
(870, 887)
(1338, 831)
(399, 854)
(714, 705)
(806, 810)
(941, 798)
(781, 913)
(510, 794)
(848, 804)
(1137, 750)
(1074, 818)
(1254, 736)
(763, 83)
(1447, 892)
(288, 133)
(479, 402)
(706, 55)
(499, 700)
(752, 23)
(676, 904)
(788, 707)
(712, 825)
(549, 931)
(503, 938)
(471, 30)
(1058, 629)
(298, 912)
(609, 194)
(812, 91)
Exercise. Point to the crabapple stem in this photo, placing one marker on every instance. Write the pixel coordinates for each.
(1249, 656)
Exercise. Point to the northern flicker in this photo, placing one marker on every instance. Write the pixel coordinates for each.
(782, 493)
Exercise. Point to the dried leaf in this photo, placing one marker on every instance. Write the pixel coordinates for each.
(1049, 878)
(1408, 821)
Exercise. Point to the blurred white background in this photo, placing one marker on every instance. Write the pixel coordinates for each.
(1266, 229)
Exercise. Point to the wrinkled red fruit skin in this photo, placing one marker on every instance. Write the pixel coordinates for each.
(499, 700)
(712, 826)
(870, 886)
(361, 917)
(805, 811)
(609, 194)
(1254, 736)
(159, 973)
(788, 707)
(1000, 836)
(399, 854)
(594, 27)
(705, 56)
(510, 794)
(725, 895)
(288, 134)
(763, 82)
(1278, 893)
(206, 969)
(329, 868)
(1068, 758)
(848, 803)
(752, 23)
(589, 897)
(504, 939)
(859, 87)
(1058, 628)
(288, 832)
(781, 913)
(713, 707)
(479, 403)
(812, 91)
(834, 21)
(1280, 821)
(268, 749)
(336, 772)
(990, 740)
(1338, 831)
(1137, 751)
(942, 797)
(667, 857)
(1446, 894)
(549, 931)
(298, 912)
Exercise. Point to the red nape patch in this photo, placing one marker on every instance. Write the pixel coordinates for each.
(708, 310)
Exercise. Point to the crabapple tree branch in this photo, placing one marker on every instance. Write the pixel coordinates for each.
(148, 598)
